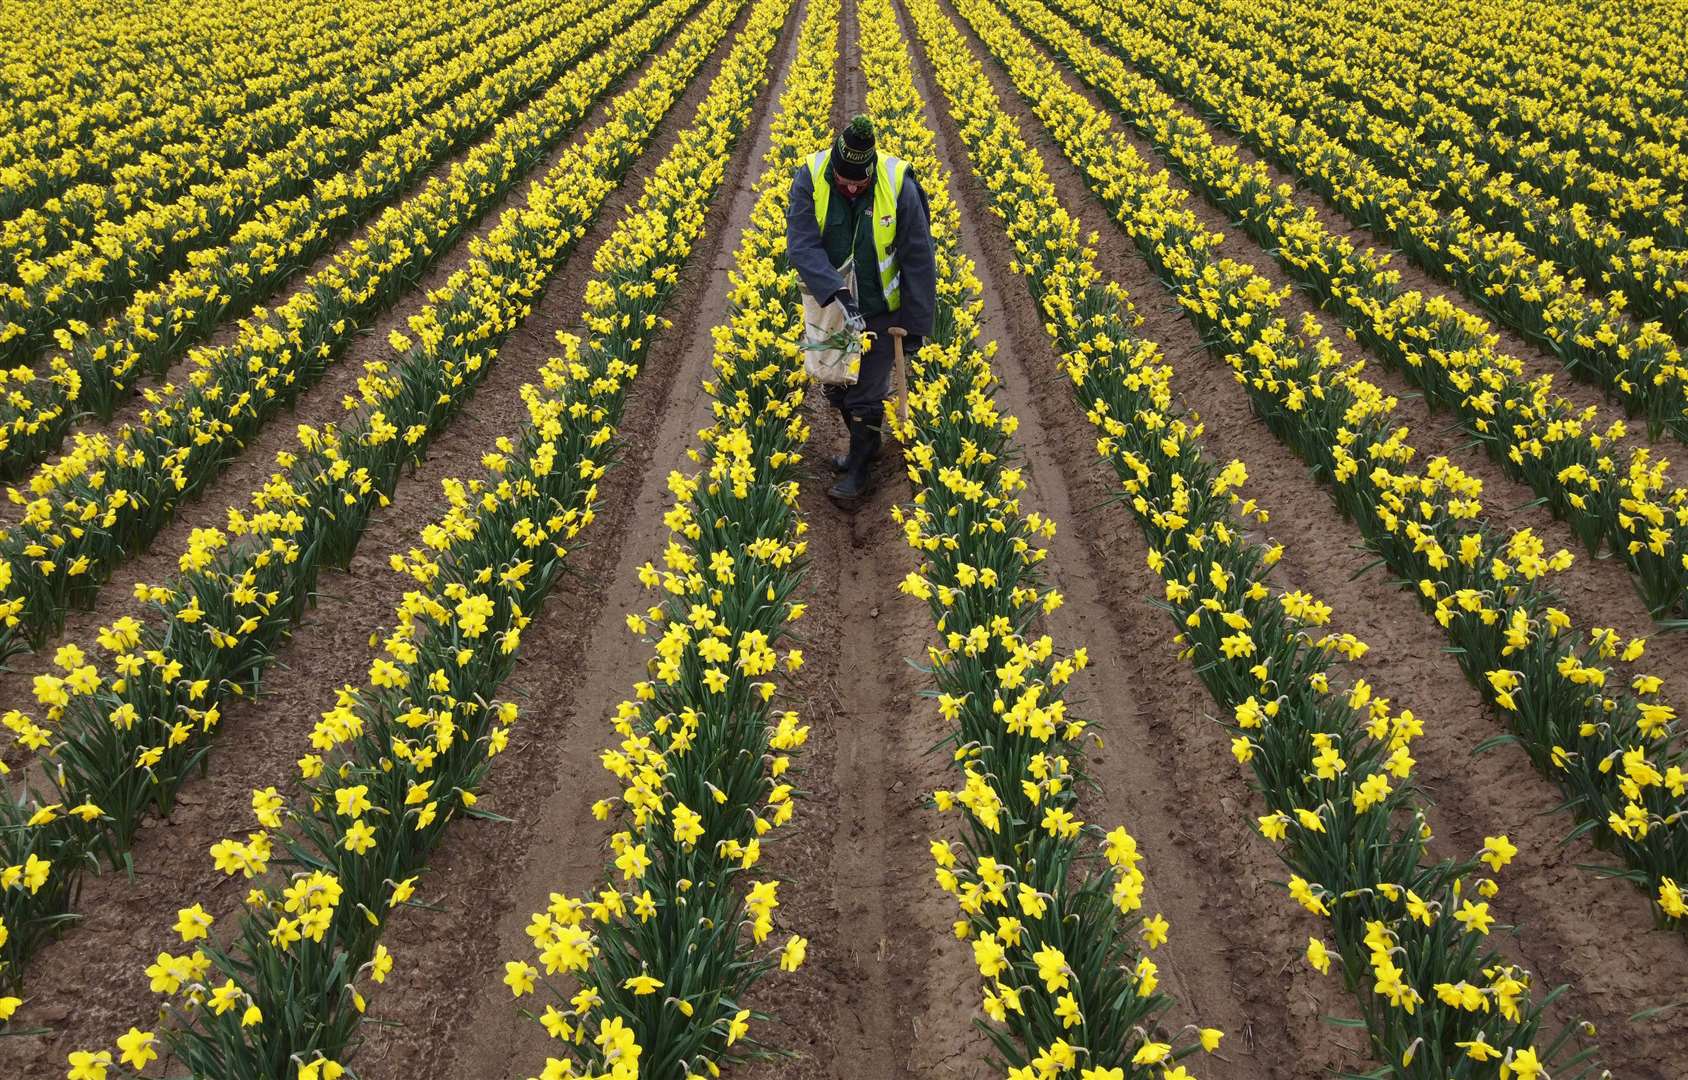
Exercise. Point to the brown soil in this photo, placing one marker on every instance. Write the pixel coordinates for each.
(228, 330)
(1203, 861)
(126, 922)
(882, 993)
(887, 991)
(321, 403)
(1593, 934)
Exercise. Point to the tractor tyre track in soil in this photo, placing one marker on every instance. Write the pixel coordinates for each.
(126, 922)
(1595, 935)
(876, 997)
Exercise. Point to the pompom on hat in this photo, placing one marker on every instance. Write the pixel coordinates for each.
(853, 154)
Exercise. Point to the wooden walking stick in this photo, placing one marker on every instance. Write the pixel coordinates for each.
(897, 335)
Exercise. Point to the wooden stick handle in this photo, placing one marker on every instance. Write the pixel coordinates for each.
(897, 335)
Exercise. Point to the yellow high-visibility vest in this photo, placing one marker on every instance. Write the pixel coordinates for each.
(886, 185)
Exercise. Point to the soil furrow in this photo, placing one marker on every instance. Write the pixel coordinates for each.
(1593, 934)
(878, 997)
(127, 921)
(323, 403)
(1202, 860)
(905, 1007)
(453, 1016)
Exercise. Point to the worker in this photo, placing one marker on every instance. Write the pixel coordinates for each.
(852, 202)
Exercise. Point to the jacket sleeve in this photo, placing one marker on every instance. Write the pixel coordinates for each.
(915, 260)
(803, 247)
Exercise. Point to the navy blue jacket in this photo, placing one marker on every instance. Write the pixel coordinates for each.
(806, 251)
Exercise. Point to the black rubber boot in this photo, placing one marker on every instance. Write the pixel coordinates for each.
(840, 462)
(865, 439)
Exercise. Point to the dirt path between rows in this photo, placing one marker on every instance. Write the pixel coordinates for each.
(1202, 861)
(1575, 928)
(1598, 590)
(127, 922)
(880, 995)
(320, 404)
(454, 1016)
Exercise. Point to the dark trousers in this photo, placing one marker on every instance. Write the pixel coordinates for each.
(865, 398)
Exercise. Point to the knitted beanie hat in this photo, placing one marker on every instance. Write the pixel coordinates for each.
(853, 154)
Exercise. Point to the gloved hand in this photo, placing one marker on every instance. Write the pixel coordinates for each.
(851, 311)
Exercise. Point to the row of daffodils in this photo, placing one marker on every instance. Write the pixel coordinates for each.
(86, 276)
(396, 760)
(111, 90)
(1331, 762)
(255, 230)
(648, 974)
(1052, 905)
(118, 736)
(1612, 747)
(111, 493)
(1593, 336)
(1520, 96)
(1611, 493)
(92, 215)
(1464, 169)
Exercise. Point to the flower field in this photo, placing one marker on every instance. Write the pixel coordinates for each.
(429, 648)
